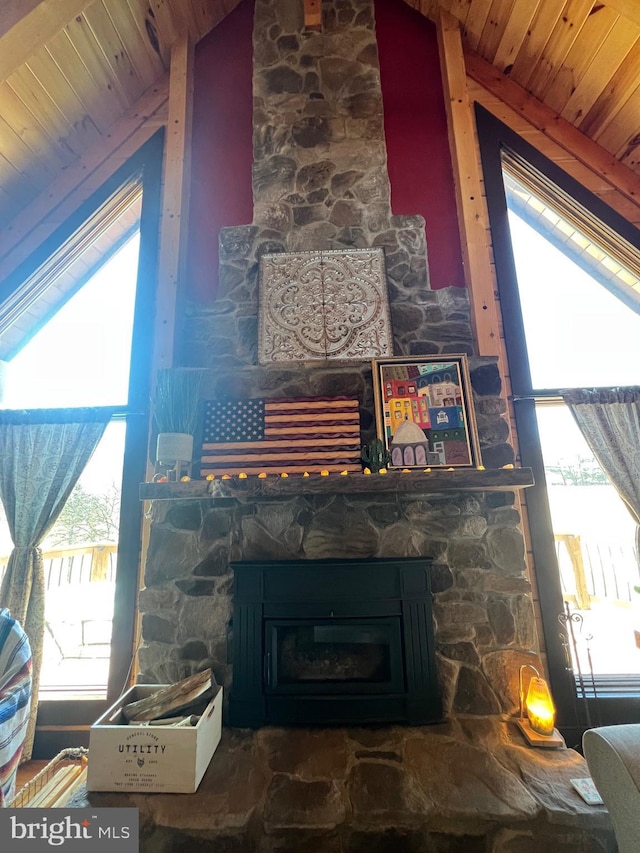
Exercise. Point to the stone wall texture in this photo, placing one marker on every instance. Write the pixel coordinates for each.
(482, 605)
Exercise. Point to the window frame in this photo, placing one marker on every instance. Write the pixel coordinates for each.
(493, 138)
(64, 722)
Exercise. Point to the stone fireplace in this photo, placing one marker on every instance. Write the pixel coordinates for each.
(482, 608)
(320, 182)
(468, 783)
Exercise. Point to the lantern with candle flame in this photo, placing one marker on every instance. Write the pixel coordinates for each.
(540, 709)
(539, 725)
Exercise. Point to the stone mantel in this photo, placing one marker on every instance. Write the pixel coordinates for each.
(415, 482)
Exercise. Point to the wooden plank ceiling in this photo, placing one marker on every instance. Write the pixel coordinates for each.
(581, 58)
(70, 69)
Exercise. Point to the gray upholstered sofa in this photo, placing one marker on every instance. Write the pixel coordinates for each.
(613, 757)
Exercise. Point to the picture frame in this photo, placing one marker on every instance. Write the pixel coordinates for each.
(432, 396)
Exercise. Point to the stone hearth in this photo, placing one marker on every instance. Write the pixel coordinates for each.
(469, 786)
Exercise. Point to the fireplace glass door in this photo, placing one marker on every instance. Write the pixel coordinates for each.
(332, 656)
(333, 642)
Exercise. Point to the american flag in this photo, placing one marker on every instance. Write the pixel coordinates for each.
(287, 435)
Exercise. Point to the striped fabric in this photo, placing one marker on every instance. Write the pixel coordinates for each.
(15, 700)
(292, 435)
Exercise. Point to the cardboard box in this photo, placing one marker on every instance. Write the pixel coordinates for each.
(151, 759)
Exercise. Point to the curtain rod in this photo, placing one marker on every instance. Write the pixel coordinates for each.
(557, 394)
(547, 394)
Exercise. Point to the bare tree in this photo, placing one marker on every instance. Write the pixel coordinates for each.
(88, 517)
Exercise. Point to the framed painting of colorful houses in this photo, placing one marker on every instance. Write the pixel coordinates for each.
(424, 411)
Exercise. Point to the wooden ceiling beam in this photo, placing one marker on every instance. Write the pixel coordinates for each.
(585, 150)
(38, 22)
(472, 218)
(174, 225)
(629, 9)
(35, 223)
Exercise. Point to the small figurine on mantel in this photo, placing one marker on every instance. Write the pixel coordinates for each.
(375, 455)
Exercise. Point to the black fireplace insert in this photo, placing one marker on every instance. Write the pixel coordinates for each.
(323, 642)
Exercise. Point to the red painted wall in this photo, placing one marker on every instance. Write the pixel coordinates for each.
(222, 148)
(415, 122)
(415, 127)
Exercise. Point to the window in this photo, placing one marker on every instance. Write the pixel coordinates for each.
(76, 331)
(567, 270)
(81, 357)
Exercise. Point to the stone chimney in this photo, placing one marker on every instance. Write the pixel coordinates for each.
(320, 182)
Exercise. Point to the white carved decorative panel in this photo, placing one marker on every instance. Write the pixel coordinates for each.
(323, 305)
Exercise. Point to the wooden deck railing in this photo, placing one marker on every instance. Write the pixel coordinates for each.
(593, 569)
(80, 584)
(75, 565)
